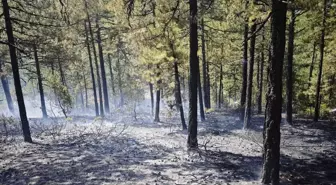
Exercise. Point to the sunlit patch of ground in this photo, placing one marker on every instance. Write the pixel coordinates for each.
(122, 150)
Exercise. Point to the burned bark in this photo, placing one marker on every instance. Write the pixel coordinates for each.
(92, 71)
(248, 102)
(102, 67)
(244, 69)
(200, 97)
(16, 74)
(193, 65)
(158, 99)
(271, 133)
(319, 77)
(290, 53)
(178, 97)
(40, 84)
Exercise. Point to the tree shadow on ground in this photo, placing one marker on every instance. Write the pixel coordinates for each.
(320, 170)
(82, 163)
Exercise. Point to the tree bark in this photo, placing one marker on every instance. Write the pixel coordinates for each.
(200, 100)
(261, 73)
(208, 85)
(6, 89)
(152, 97)
(16, 73)
(271, 133)
(290, 53)
(40, 85)
(204, 68)
(101, 107)
(220, 93)
(193, 65)
(91, 71)
(178, 98)
(248, 102)
(158, 93)
(244, 81)
(102, 68)
(319, 78)
(60, 67)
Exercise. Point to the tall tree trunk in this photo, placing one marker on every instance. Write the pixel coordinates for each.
(244, 81)
(204, 68)
(290, 53)
(82, 99)
(91, 71)
(319, 78)
(178, 97)
(40, 85)
(16, 74)
(101, 107)
(60, 68)
(85, 88)
(158, 93)
(152, 97)
(102, 68)
(261, 73)
(208, 85)
(220, 96)
(248, 102)
(5, 86)
(311, 68)
(111, 74)
(200, 97)
(271, 133)
(52, 68)
(193, 69)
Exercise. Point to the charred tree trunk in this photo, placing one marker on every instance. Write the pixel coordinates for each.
(244, 84)
(193, 69)
(101, 107)
(60, 68)
(204, 68)
(220, 93)
(152, 97)
(271, 134)
(319, 78)
(178, 97)
(200, 100)
(261, 73)
(6, 89)
(102, 68)
(92, 71)
(248, 102)
(111, 74)
(289, 112)
(208, 85)
(40, 85)
(158, 99)
(52, 68)
(16, 74)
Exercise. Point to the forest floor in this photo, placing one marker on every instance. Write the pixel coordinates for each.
(122, 150)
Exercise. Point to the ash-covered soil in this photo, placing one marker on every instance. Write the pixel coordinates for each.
(122, 150)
